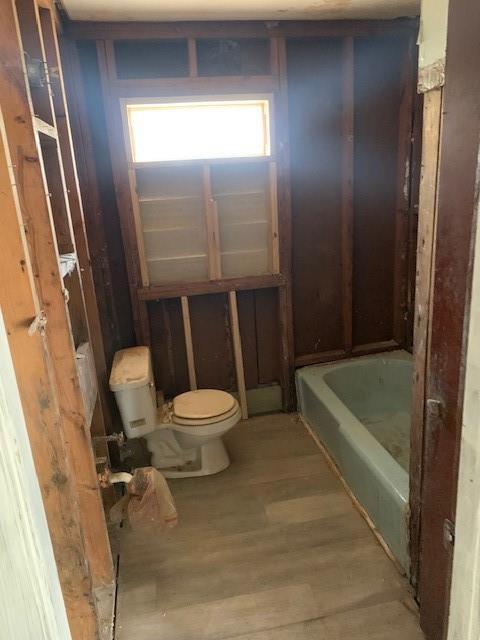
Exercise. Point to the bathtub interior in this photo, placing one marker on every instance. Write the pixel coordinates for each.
(378, 393)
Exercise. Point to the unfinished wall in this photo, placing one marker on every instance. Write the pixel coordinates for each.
(350, 109)
(344, 149)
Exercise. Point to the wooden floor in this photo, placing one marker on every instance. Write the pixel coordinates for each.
(270, 549)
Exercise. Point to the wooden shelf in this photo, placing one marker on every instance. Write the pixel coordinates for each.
(168, 198)
(179, 289)
(43, 127)
(191, 256)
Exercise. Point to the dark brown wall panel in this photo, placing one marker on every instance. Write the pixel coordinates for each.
(168, 346)
(268, 335)
(101, 217)
(259, 330)
(317, 80)
(212, 343)
(315, 121)
(378, 65)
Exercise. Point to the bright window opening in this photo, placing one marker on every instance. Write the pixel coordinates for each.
(199, 130)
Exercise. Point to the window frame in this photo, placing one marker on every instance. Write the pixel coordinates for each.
(226, 98)
(210, 213)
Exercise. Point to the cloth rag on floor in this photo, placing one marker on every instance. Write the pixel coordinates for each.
(148, 502)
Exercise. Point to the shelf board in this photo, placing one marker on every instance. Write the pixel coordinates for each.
(197, 229)
(168, 198)
(43, 127)
(238, 194)
(194, 256)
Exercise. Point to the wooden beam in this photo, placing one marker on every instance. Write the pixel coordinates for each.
(37, 216)
(187, 329)
(403, 197)
(347, 189)
(47, 21)
(240, 29)
(202, 85)
(32, 362)
(179, 289)
(237, 351)
(285, 301)
(432, 112)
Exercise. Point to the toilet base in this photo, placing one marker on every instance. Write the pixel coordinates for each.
(211, 458)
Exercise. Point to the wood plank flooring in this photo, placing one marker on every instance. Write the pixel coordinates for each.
(270, 549)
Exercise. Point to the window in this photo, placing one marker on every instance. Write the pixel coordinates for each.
(199, 130)
(204, 188)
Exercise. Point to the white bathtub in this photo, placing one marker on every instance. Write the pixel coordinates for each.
(360, 410)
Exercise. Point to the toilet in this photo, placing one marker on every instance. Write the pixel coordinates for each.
(183, 435)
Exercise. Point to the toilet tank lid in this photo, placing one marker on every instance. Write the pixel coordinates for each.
(131, 369)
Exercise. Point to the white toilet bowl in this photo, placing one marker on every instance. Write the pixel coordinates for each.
(185, 435)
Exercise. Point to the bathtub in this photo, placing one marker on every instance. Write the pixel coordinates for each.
(360, 411)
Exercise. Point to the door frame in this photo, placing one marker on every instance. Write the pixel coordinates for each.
(453, 239)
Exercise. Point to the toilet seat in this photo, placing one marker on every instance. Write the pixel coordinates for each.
(203, 407)
(184, 422)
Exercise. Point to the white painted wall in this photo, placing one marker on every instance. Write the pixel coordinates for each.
(464, 621)
(31, 602)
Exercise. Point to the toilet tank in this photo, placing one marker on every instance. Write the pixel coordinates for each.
(131, 380)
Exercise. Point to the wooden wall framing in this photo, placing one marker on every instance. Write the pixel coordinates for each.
(116, 88)
(42, 325)
(453, 241)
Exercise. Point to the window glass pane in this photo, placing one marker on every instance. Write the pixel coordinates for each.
(173, 222)
(199, 130)
(242, 197)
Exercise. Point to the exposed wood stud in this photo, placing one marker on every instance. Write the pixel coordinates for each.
(347, 189)
(285, 302)
(47, 21)
(432, 112)
(237, 351)
(31, 360)
(403, 198)
(187, 329)
(39, 218)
